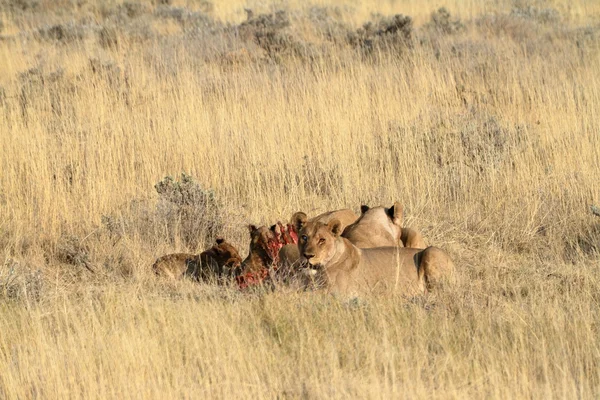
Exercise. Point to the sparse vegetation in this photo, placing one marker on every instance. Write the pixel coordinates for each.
(480, 118)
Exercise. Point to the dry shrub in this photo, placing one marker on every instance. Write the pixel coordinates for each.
(541, 32)
(61, 33)
(188, 20)
(131, 10)
(583, 244)
(518, 29)
(48, 93)
(119, 260)
(19, 5)
(129, 23)
(268, 32)
(384, 33)
(68, 250)
(328, 24)
(546, 15)
(109, 73)
(185, 212)
(20, 282)
(484, 143)
(443, 23)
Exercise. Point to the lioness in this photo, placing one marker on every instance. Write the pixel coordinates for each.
(412, 238)
(264, 248)
(265, 244)
(220, 260)
(289, 255)
(348, 270)
(381, 226)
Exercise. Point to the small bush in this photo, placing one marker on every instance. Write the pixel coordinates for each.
(132, 9)
(49, 93)
(268, 32)
(21, 5)
(265, 22)
(184, 211)
(484, 143)
(109, 72)
(70, 250)
(20, 282)
(61, 33)
(327, 22)
(540, 15)
(186, 18)
(443, 23)
(385, 33)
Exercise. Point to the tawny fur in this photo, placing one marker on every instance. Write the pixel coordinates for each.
(258, 255)
(289, 256)
(381, 226)
(348, 270)
(220, 260)
(412, 238)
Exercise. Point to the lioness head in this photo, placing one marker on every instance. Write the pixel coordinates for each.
(317, 241)
(393, 214)
(261, 238)
(377, 226)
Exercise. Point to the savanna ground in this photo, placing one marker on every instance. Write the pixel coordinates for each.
(482, 119)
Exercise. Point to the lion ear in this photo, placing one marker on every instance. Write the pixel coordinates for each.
(364, 208)
(335, 226)
(395, 213)
(299, 219)
(276, 228)
(252, 228)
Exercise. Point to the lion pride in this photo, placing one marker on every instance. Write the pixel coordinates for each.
(345, 269)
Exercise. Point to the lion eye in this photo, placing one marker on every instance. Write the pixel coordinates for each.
(304, 238)
(321, 241)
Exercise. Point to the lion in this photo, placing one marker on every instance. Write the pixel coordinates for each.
(345, 216)
(264, 248)
(348, 270)
(173, 266)
(221, 260)
(289, 256)
(412, 238)
(381, 226)
(263, 257)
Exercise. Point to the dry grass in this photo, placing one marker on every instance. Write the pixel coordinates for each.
(483, 122)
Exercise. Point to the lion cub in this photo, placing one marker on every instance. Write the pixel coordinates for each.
(348, 270)
(220, 260)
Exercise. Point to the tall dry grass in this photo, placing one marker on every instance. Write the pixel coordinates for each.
(483, 124)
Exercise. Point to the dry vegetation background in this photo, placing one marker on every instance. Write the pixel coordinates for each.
(482, 118)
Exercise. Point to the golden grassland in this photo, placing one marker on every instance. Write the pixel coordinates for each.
(483, 123)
